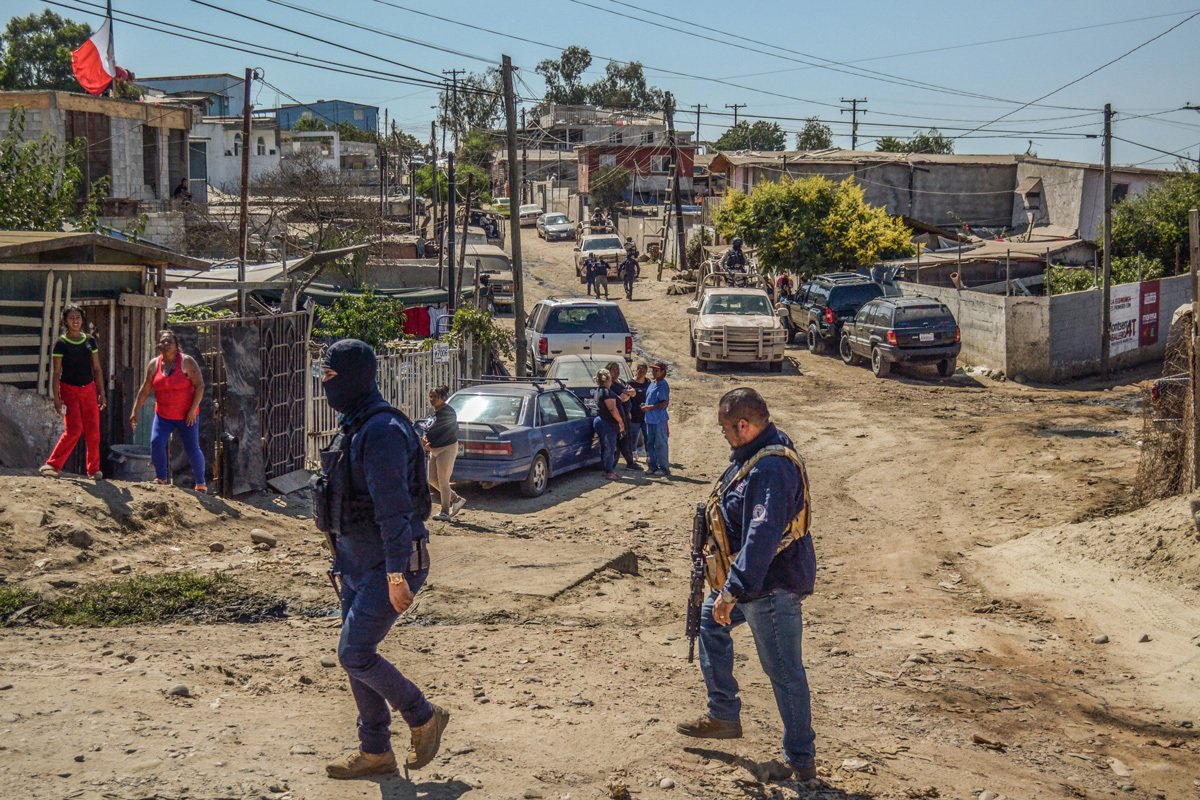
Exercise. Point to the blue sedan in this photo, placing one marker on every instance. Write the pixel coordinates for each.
(522, 432)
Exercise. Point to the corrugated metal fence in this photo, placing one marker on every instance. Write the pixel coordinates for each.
(405, 380)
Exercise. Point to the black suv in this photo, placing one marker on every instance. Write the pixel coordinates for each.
(910, 330)
(820, 307)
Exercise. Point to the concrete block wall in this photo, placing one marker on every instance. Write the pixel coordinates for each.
(37, 122)
(982, 318)
(164, 228)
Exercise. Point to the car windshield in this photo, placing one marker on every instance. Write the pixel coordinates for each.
(602, 243)
(531, 209)
(736, 304)
(586, 319)
(498, 409)
(925, 316)
(556, 219)
(581, 372)
(854, 295)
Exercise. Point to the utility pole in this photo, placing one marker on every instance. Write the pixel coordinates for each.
(453, 110)
(462, 252)
(854, 101)
(1105, 299)
(244, 211)
(524, 157)
(381, 155)
(1194, 367)
(433, 173)
(452, 295)
(510, 119)
(680, 238)
(698, 106)
(735, 108)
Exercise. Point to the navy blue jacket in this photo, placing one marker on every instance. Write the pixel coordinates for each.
(382, 465)
(757, 511)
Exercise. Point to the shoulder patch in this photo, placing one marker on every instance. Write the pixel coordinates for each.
(758, 513)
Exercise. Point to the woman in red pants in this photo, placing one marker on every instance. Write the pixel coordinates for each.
(77, 384)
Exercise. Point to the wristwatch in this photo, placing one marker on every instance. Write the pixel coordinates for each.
(396, 578)
(727, 597)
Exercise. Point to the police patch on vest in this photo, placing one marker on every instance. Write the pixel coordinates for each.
(759, 513)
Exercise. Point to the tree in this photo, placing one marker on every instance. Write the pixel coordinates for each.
(922, 142)
(812, 225)
(366, 316)
(403, 144)
(35, 52)
(1154, 225)
(463, 174)
(762, 135)
(815, 136)
(607, 186)
(478, 148)
(478, 103)
(40, 181)
(347, 131)
(562, 76)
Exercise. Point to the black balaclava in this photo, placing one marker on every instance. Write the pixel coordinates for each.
(354, 362)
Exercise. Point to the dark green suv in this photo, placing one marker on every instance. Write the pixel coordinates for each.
(820, 307)
(905, 330)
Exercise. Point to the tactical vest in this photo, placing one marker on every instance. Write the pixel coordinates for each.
(717, 556)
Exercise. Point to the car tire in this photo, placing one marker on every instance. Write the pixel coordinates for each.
(879, 365)
(846, 351)
(816, 344)
(776, 366)
(946, 367)
(701, 366)
(537, 481)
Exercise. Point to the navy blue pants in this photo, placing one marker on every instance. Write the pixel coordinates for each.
(189, 437)
(367, 616)
(606, 432)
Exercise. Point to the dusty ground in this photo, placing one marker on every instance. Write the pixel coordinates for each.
(969, 555)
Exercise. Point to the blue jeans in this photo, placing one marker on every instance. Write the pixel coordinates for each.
(189, 437)
(367, 616)
(657, 457)
(637, 439)
(775, 620)
(607, 433)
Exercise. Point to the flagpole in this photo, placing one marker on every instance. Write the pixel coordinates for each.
(112, 51)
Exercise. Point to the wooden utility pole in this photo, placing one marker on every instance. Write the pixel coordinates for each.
(1194, 367)
(433, 173)
(462, 252)
(381, 155)
(698, 106)
(680, 238)
(854, 101)
(1106, 295)
(510, 118)
(452, 294)
(524, 159)
(735, 107)
(244, 209)
(454, 73)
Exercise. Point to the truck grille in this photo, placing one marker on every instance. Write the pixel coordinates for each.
(744, 341)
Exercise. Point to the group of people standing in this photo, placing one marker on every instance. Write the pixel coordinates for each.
(595, 271)
(632, 417)
(78, 392)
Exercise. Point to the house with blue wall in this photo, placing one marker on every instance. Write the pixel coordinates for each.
(222, 93)
(330, 112)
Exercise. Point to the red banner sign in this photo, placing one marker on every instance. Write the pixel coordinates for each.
(1148, 314)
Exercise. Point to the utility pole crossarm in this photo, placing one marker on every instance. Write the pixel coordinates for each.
(735, 107)
(854, 101)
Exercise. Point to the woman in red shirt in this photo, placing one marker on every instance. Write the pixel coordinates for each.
(178, 389)
(78, 387)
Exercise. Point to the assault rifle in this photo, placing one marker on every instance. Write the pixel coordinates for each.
(696, 593)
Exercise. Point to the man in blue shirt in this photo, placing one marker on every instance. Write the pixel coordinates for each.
(773, 569)
(655, 421)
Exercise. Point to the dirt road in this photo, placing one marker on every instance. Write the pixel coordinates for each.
(970, 547)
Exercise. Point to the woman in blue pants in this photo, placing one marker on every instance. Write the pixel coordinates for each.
(608, 424)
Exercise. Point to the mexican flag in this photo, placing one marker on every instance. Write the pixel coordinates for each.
(93, 62)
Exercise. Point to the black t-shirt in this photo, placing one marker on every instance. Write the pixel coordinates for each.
(444, 429)
(76, 358)
(635, 405)
(618, 389)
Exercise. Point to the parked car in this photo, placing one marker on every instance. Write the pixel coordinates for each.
(578, 374)
(902, 330)
(501, 206)
(735, 325)
(607, 247)
(554, 227)
(524, 431)
(528, 214)
(818, 309)
(577, 326)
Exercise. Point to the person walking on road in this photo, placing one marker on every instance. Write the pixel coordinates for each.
(609, 425)
(589, 273)
(601, 277)
(656, 421)
(77, 386)
(628, 272)
(624, 394)
(178, 387)
(371, 500)
(761, 506)
(441, 442)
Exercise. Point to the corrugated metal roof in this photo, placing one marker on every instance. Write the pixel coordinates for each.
(15, 244)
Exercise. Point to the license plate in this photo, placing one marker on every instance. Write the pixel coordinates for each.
(926, 337)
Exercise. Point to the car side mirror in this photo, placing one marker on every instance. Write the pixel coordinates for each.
(693, 310)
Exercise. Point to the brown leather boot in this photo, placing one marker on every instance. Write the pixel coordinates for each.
(359, 764)
(707, 727)
(427, 739)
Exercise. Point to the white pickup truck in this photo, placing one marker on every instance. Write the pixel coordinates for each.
(575, 326)
(734, 324)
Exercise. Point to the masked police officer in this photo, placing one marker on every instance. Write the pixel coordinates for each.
(734, 261)
(763, 510)
(372, 501)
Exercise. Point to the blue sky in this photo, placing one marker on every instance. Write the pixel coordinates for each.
(954, 65)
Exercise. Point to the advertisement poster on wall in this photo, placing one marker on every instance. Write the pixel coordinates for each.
(1124, 306)
(1148, 315)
